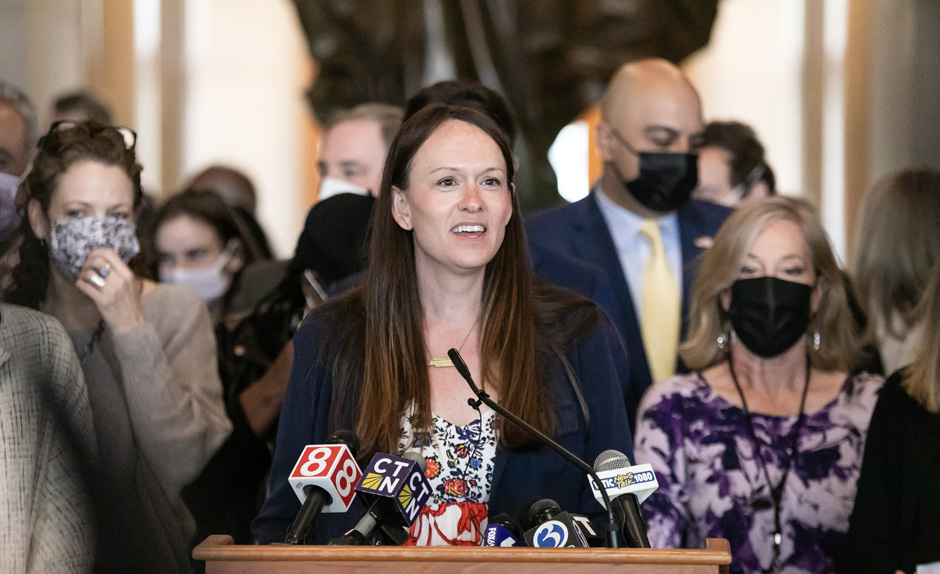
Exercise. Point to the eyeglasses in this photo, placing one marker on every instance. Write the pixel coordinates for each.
(127, 135)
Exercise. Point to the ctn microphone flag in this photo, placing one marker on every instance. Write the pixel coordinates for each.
(324, 479)
(399, 491)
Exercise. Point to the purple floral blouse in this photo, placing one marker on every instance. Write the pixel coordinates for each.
(711, 484)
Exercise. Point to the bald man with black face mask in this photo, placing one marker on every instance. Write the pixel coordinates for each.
(639, 223)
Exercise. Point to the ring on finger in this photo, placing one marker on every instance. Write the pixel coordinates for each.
(104, 270)
(97, 281)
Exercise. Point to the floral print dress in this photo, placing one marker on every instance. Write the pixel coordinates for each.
(460, 470)
(711, 483)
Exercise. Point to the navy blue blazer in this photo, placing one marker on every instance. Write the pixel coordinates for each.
(519, 478)
(579, 230)
(557, 269)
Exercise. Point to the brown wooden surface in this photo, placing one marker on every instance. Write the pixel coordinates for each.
(223, 557)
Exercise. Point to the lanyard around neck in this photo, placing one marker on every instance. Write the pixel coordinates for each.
(776, 492)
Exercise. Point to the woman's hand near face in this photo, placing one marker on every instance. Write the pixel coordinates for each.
(114, 289)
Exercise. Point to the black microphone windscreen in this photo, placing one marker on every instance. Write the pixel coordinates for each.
(346, 437)
(457, 360)
(413, 455)
(543, 507)
(510, 523)
(610, 460)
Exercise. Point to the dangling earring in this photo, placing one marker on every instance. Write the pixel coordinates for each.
(724, 342)
(816, 339)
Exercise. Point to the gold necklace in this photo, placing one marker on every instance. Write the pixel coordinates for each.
(442, 362)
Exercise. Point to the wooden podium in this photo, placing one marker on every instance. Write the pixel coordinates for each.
(224, 557)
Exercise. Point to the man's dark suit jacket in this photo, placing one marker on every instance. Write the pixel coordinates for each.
(579, 231)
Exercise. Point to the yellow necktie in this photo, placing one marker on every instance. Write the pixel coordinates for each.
(660, 306)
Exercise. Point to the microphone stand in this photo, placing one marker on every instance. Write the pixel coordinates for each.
(613, 529)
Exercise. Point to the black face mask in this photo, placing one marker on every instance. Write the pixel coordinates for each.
(768, 314)
(666, 180)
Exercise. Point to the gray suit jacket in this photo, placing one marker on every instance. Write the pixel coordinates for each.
(47, 448)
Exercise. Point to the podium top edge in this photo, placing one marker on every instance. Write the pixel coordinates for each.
(216, 548)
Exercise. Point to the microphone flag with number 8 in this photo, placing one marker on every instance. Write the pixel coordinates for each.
(331, 467)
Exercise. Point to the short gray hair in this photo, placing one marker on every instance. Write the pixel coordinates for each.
(16, 99)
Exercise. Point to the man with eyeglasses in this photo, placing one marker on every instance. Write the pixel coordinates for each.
(639, 222)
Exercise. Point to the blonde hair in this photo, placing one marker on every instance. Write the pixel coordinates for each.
(922, 380)
(720, 267)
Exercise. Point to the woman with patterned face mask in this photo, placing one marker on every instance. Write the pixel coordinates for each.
(156, 399)
(200, 244)
(762, 444)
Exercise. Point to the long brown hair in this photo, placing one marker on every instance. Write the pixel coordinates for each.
(65, 145)
(382, 327)
(898, 245)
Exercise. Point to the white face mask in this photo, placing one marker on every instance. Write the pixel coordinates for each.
(210, 282)
(330, 186)
(9, 219)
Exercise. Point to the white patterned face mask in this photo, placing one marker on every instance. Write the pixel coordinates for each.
(71, 240)
(209, 282)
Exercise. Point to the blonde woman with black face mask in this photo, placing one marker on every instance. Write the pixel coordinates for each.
(763, 442)
(147, 350)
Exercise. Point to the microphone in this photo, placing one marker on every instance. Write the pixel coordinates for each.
(502, 531)
(552, 527)
(323, 480)
(399, 491)
(595, 539)
(613, 527)
(625, 483)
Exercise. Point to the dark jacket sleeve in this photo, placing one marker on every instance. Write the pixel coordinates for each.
(895, 524)
(605, 370)
(303, 421)
(522, 478)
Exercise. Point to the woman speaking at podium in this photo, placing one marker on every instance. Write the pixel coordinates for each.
(447, 269)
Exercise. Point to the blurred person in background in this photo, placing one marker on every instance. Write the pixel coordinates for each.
(202, 244)
(895, 526)
(19, 132)
(255, 356)
(143, 347)
(762, 443)
(238, 192)
(353, 148)
(47, 449)
(85, 106)
(732, 169)
(639, 223)
(898, 246)
(81, 106)
(331, 248)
